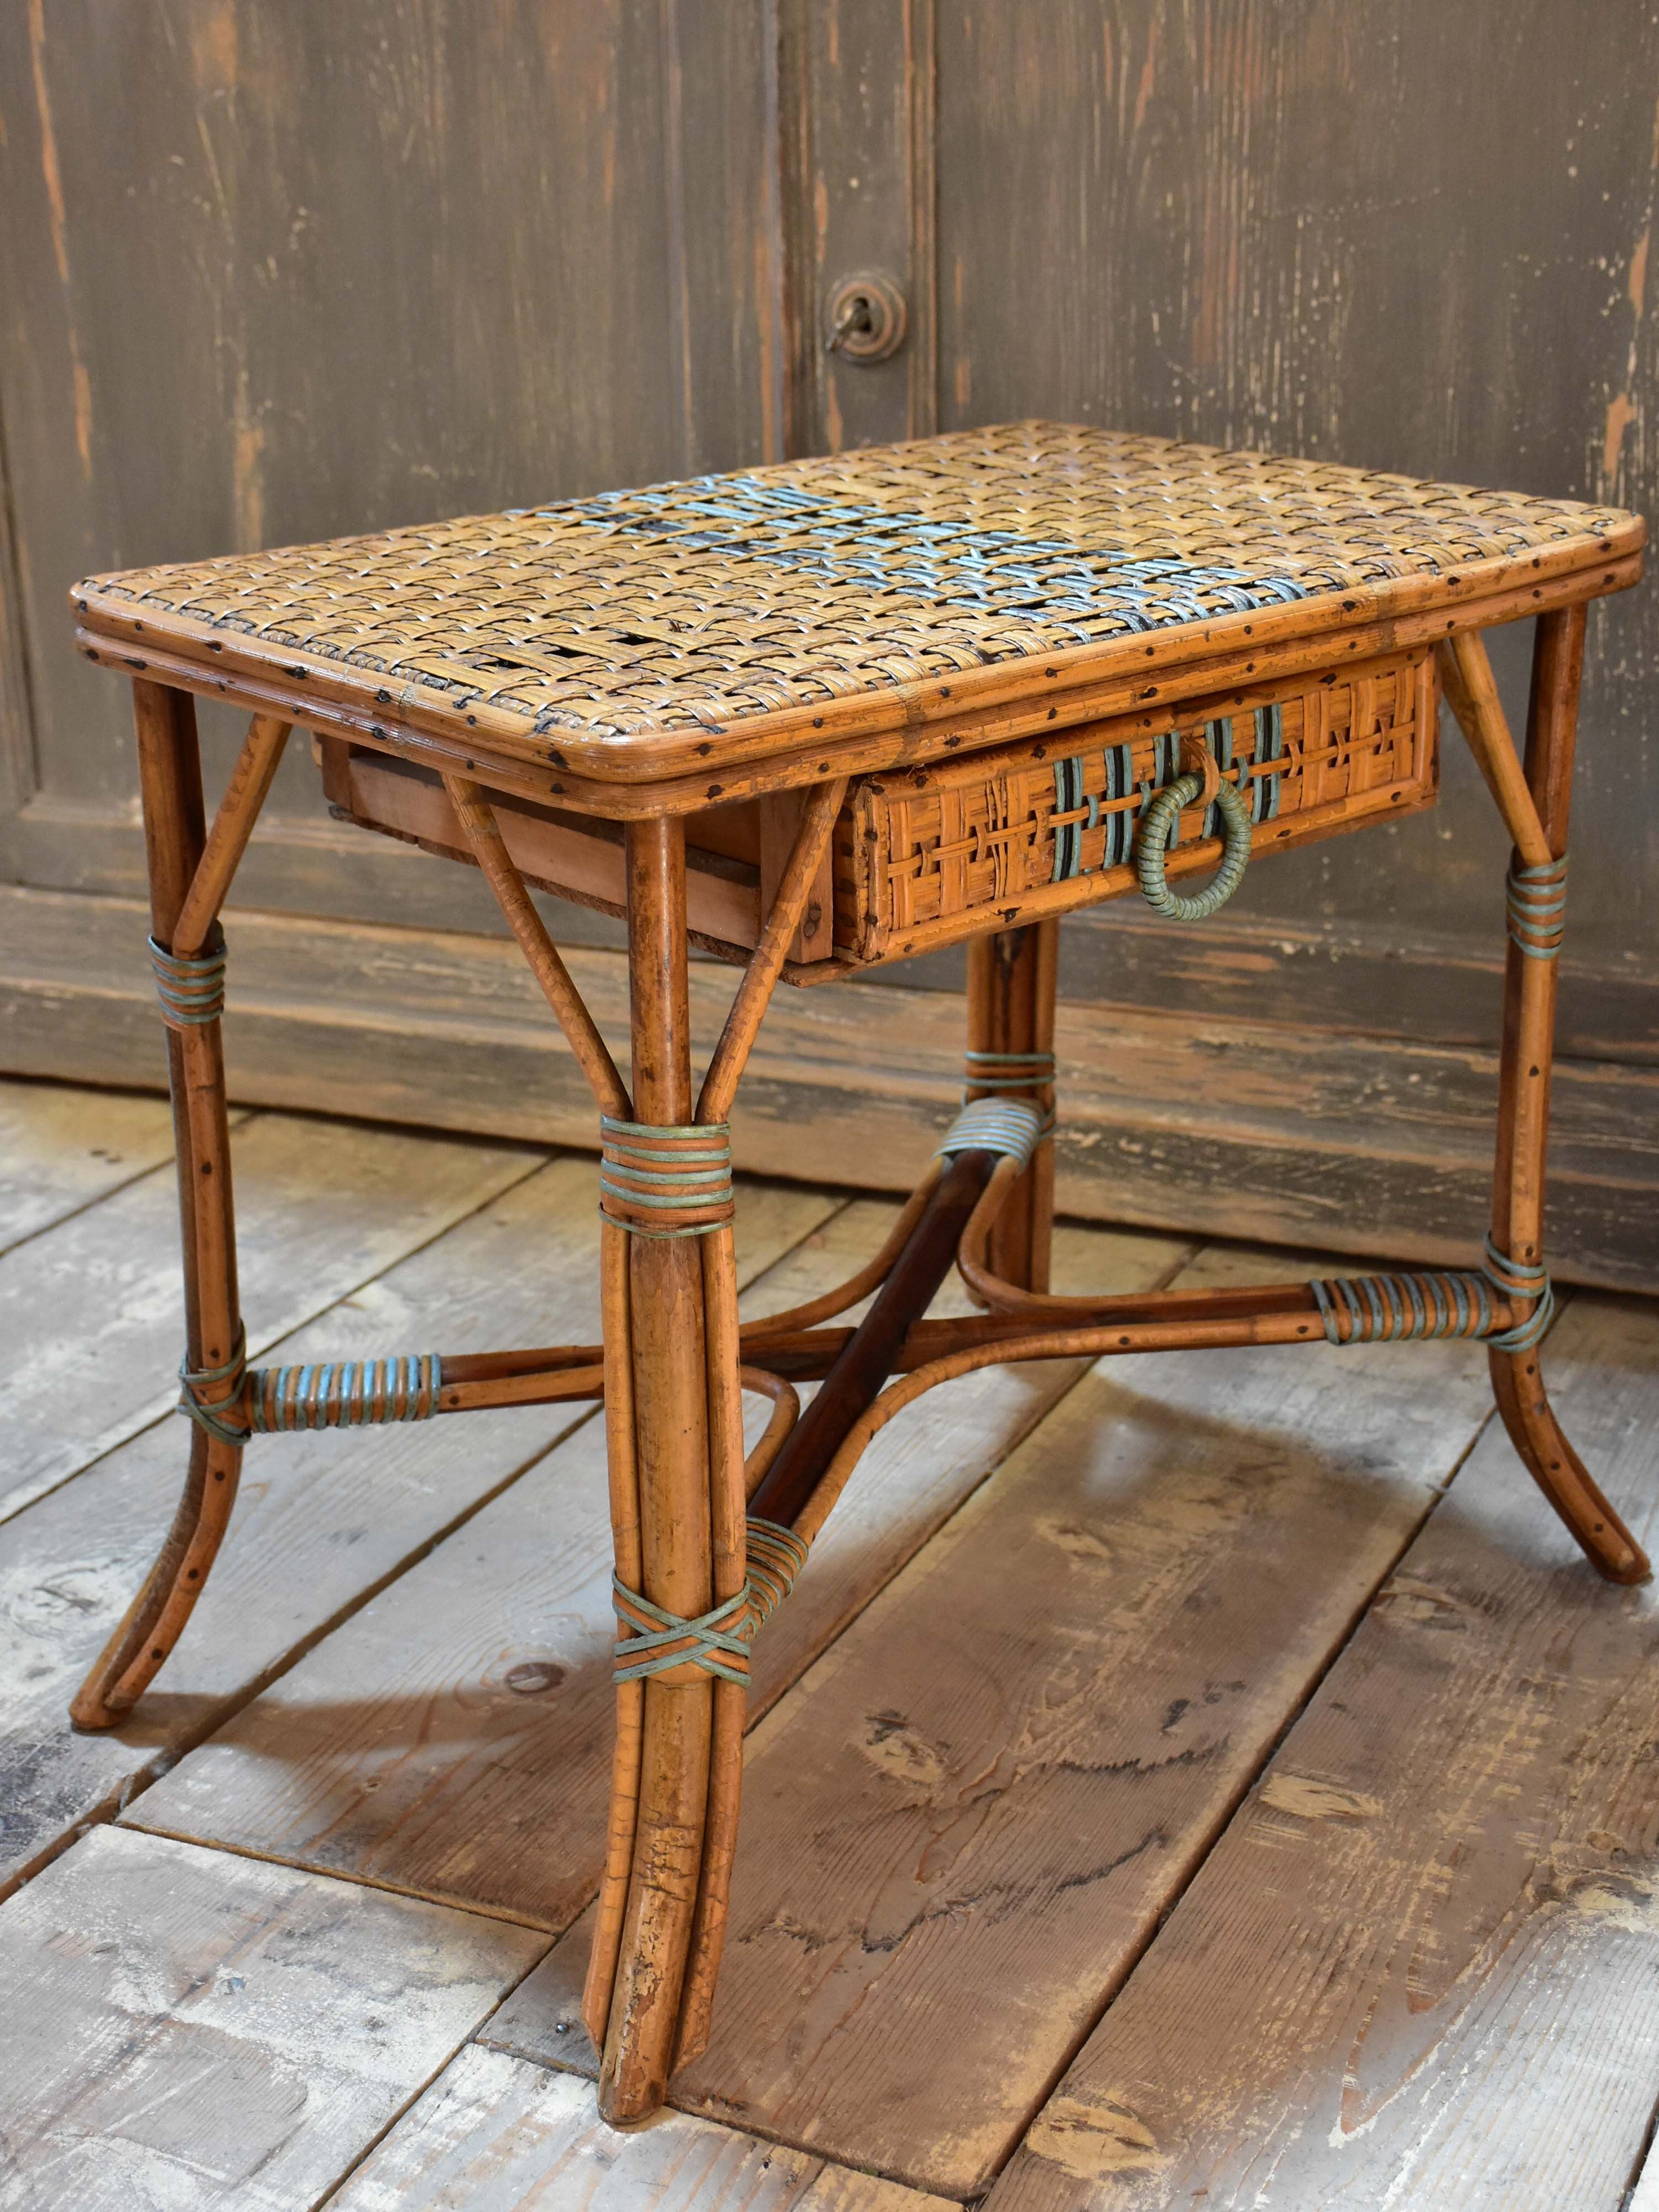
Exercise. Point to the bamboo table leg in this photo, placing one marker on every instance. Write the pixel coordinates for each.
(1530, 988)
(1011, 1054)
(170, 774)
(670, 1421)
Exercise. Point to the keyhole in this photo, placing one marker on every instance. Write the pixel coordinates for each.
(857, 316)
(864, 319)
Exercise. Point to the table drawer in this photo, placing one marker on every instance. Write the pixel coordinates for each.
(926, 855)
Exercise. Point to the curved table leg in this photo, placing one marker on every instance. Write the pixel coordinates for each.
(171, 779)
(674, 1445)
(1517, 1221)
(1518, 1387)
(669, 1419)
(1011, 1054)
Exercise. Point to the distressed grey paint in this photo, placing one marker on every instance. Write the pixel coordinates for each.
(273, 272)
(1413, 237)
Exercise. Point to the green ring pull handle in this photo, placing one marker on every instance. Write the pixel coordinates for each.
(1151, 843)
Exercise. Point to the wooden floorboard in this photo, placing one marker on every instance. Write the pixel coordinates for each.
(321, 1519)
(182, 2028)
(976, 1809)
(91, 1311)
(494, 2133)
(61, 1150)
(1422, 1966)
(454, 1740)
(1204, 1811)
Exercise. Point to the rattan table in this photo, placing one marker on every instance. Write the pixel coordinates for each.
(810, 718)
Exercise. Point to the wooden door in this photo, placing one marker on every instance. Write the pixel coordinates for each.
(276, 270)
(271, 271)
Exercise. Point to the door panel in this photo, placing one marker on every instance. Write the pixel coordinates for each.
(1412, 237)
(857, 149)
(274, 273)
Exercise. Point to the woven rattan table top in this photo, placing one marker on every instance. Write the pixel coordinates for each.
(685, 625)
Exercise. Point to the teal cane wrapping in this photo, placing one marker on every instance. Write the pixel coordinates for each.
(1007, 1071)
(1159, 825)
(1435, 1303)
(335, 1393)
(716, 1642)
(656, 1640)
(1395, 1309)
(996, 1125)
(1535, 907)
(192, 991)
(345, 1394)
(647, 1171)
(1516, 1279)
(221, 1418)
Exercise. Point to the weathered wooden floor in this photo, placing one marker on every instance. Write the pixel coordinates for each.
(1194, 1781)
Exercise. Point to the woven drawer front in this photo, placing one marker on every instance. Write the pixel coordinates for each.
(926, 855)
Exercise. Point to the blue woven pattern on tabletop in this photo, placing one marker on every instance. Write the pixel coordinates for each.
(1069, 588)
(688, 607)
